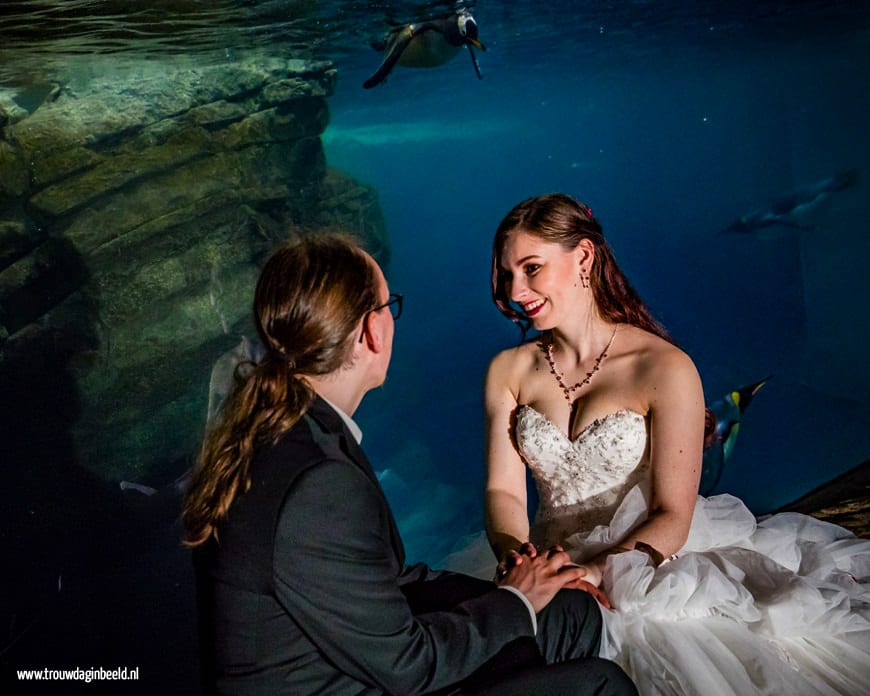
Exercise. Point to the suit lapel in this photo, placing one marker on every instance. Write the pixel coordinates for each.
(331, 422)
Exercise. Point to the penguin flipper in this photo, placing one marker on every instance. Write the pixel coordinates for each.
(395, 52)
(474, 61)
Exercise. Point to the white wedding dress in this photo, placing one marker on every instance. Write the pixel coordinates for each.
(780, 606)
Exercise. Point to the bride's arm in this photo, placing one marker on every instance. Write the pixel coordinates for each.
(507, 522)
(676, 408)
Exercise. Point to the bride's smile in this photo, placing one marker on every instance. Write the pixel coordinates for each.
(542, 278)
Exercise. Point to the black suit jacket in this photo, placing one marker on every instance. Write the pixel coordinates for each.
(307, 591)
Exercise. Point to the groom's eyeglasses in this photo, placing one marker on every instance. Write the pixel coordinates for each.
(395, 304)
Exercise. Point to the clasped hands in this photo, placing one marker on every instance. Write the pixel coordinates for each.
(540, 575)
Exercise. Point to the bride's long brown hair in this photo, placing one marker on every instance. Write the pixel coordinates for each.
(309, 300)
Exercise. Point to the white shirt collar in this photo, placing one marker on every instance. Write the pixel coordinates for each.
(348, 421)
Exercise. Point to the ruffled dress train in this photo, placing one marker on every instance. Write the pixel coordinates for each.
(780, 606)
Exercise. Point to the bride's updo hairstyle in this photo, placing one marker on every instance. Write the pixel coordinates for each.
(308, 303)
(559, 219)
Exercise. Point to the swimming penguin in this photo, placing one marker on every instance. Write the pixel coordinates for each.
(794, 209)
(427, 44)
(727, 412)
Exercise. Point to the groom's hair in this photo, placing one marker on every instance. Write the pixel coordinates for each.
(308, 303)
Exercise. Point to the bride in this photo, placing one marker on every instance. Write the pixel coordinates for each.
(608, 414)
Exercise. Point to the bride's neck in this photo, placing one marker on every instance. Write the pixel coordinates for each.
(583, 342)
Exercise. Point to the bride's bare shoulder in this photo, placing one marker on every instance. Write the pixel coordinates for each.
(517, 357)
(511, 365)
(654, 356)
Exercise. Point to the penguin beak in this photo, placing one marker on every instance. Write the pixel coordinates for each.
(476, 44)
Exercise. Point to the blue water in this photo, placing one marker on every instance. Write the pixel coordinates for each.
(668, 142)
(670, 119)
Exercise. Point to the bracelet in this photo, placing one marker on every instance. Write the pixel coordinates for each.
(655, 555)
(651, 551)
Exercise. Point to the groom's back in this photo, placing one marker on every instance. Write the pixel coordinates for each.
(249, 642)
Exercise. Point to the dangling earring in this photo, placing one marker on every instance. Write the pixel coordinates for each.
(584, 278)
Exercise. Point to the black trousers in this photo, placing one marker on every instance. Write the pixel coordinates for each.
(585, 676)
(562, 659)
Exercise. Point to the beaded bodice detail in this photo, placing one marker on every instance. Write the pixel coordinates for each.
(581, 482)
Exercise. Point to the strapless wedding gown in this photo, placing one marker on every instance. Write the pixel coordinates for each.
(780, 606)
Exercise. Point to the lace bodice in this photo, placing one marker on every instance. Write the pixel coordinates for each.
(582, 482)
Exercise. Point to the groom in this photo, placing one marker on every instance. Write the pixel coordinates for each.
(307, 591)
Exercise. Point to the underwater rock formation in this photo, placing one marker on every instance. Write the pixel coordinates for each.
(844, 501)
(134, 217)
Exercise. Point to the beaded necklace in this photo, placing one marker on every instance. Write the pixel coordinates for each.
(548, 352)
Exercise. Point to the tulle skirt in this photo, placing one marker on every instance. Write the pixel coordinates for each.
(780, 606)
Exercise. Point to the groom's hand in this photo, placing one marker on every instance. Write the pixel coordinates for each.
(515, 558)
(540, 576)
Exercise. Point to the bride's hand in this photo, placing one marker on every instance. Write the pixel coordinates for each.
(514, 558)
(593, 574)
(590, 583)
